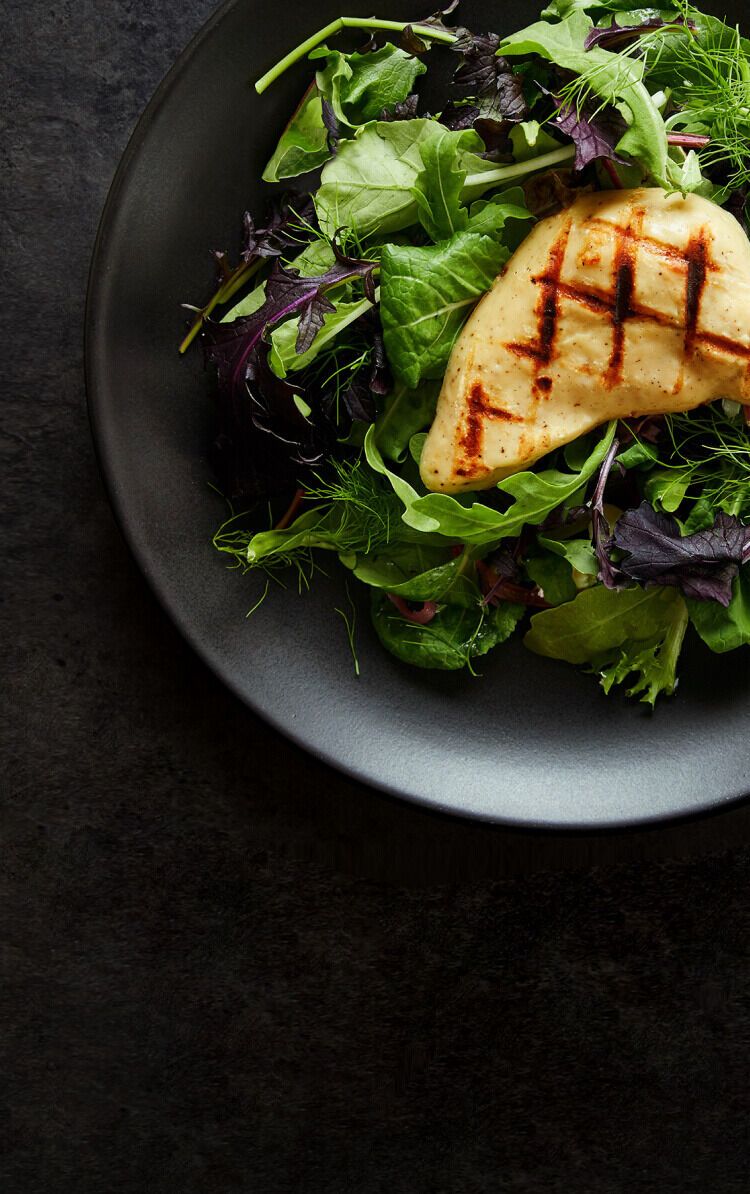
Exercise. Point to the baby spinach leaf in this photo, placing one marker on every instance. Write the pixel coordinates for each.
(724, 629)
(303, 145)
(360, 86)
(615, 78)
(449, 582)
(426, 295)
(406, 412)
(619, 633)
(554, 577)
(454, 637)
(381, 81)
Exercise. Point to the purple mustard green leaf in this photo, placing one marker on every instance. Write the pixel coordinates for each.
(702, 565)
(614, 36)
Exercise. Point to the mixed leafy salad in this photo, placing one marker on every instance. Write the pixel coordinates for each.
(412, 168)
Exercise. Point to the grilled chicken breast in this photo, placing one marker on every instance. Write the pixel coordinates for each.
(627, 303)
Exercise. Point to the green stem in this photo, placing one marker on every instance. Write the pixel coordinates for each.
(335, 27)
(518, 169)
(229, 288)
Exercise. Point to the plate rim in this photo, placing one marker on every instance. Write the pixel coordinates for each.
(93, 349)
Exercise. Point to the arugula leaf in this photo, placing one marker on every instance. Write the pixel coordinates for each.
(303, 145)
(535, 496)
(620, 633)
(724, 629)
(615, 78)
(406, 412)
(360, 86)
(454, 637)
(427, 293)
(438, 186)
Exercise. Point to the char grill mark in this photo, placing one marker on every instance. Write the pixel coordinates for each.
(542, 350)
(619, 305)
(696, 256)
(623, 286)
(479, 408)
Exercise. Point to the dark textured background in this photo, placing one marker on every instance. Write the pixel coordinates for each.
(226, 968)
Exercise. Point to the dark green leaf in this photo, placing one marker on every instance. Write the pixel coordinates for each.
(406, 412)
(359, 86)
(451, 640)
(554, 576)
(725, 629)
(426, 295)
(303, 145)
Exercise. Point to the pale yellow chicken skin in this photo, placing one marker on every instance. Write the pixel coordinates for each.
(626, 303)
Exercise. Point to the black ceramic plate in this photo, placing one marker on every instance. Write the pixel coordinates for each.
(530, 741)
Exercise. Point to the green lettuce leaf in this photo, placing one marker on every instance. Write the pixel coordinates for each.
(554, 577)
(725, 629)
(428, 292)
(632, 632)
(451, 640)
(369, 185)
(303, 144)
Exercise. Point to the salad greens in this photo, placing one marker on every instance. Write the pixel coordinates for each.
(332, 333)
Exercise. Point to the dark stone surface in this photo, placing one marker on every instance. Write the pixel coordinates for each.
(224, 966)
